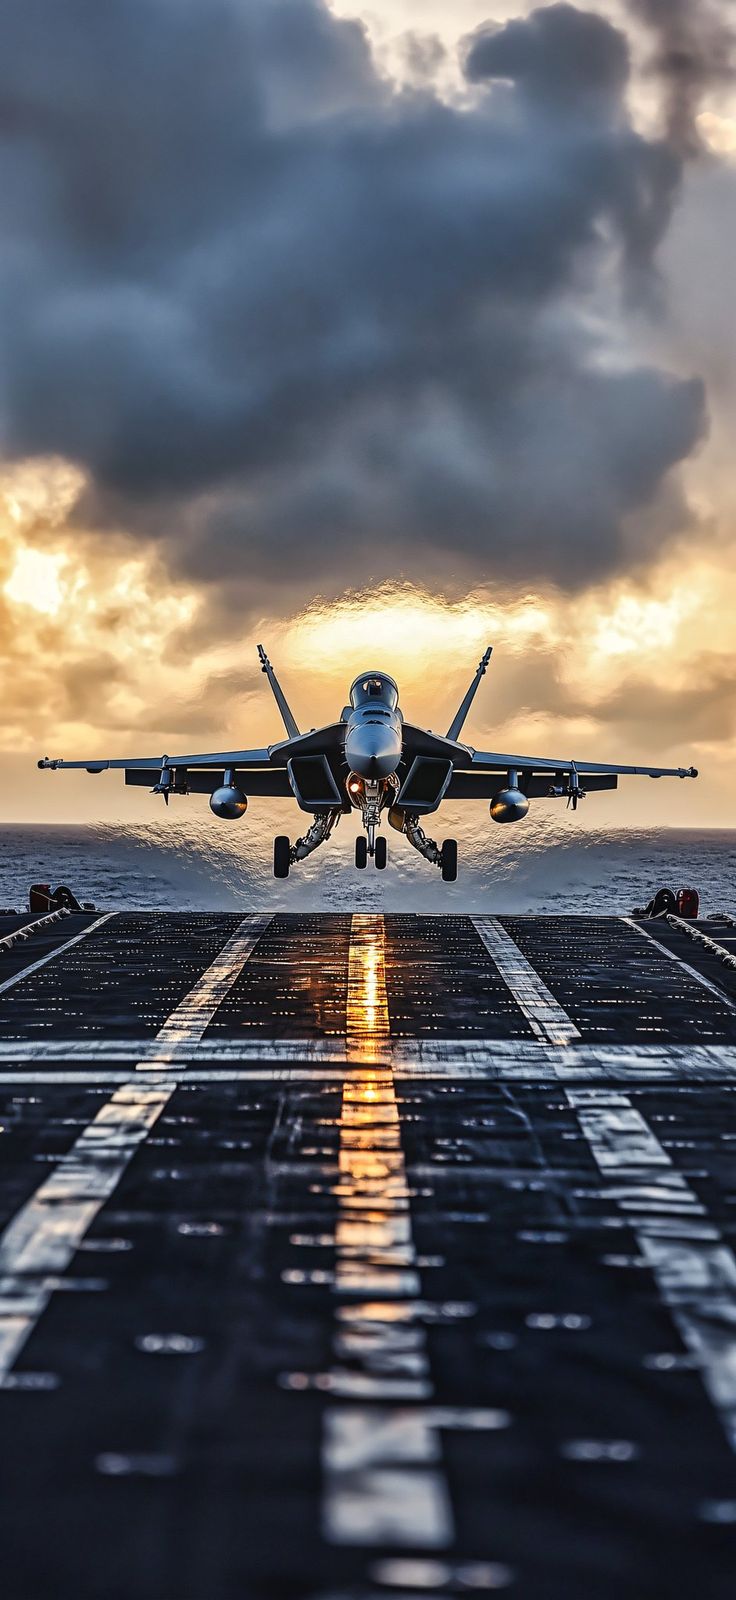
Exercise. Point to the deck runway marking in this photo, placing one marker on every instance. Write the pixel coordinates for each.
(44, 1235)
(297, 1060)
(696, 1277)
(383, 1480)
(543, 1012)
(59, 950)
(368, 1032)
(721, 994)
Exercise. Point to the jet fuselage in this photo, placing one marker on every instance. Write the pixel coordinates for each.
(373, 737)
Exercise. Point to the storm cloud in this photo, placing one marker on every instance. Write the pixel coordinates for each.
(695, 50)
(293, 322)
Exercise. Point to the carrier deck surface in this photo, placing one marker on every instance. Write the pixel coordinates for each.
(358, 1257)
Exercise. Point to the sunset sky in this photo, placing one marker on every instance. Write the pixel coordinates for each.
(376, 334)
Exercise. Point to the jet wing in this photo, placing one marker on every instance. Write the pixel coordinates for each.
(193, 774)
(218, 758)
(493, 761)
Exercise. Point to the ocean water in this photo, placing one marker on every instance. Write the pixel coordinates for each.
(194, 862)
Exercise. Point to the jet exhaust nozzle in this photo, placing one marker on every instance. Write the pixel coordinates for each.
(509, 805)
(229, 803)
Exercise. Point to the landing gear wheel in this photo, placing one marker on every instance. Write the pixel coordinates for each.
(281, 854)
(381, 854)
(361, 851)
(449, 861)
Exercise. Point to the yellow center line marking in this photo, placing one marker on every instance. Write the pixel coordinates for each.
(368, 1027)
(383, 1479)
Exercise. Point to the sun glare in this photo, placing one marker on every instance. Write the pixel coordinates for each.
(36, 580)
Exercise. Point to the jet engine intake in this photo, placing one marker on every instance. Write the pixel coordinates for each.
(229, 803)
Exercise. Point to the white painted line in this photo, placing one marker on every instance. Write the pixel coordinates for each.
(60, 949)
(543, 1012)
(44, 1235)
(696, 1276)
(706, 983)
(433, 1056)
(294, 1061)
(383, 1482)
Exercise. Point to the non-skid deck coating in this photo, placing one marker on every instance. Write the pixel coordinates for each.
(354, 1258)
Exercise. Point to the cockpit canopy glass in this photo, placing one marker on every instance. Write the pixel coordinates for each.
(373, 687)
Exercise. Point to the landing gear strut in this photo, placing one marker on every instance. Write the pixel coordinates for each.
(285, 853)
(445, 857)
(369, 796)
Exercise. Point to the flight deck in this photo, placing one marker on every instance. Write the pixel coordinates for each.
(367, 1257)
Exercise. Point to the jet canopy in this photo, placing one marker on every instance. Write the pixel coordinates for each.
(372, 687)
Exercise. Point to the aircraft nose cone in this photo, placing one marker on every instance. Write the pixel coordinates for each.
(372, 750)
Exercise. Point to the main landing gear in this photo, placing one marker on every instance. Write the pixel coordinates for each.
(444, 857)
(285, 853)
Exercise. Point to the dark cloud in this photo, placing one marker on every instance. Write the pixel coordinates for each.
(695, 52)
(295, 324)
(559, 57)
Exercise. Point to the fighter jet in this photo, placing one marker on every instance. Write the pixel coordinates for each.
(372, 761)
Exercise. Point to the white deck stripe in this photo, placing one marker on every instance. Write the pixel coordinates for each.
(35, 966)
(542, 1071)
(438, 1053)
(695, 1275)
(44, 1235)
(692, 972)
(285, 1060)
(543, 1012)
(382, 1461)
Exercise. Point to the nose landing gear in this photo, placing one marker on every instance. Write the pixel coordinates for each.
(379, 851)
(370, 796)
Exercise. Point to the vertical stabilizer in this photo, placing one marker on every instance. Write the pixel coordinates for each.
(456, 725)
(278, 694)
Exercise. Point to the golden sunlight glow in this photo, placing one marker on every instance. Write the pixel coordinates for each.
(36, 580)
(409, 626)
(42, 491)
(100, 613)
(635, 623)
(718, 133)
